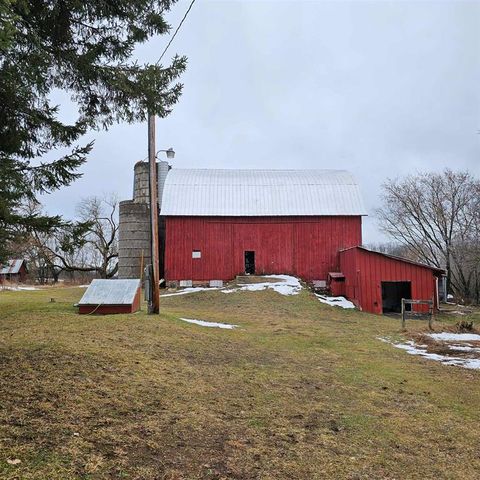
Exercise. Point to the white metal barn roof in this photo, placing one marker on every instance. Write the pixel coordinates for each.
(202, 192)
(12, 266)
(110, 292)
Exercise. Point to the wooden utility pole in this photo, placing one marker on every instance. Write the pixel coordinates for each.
(154, 305)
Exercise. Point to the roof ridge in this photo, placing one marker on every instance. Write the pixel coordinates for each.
(262, 169)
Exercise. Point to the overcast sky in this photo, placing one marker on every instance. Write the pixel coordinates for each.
(382, 89)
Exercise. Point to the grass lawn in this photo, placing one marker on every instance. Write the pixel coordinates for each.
(300, 391)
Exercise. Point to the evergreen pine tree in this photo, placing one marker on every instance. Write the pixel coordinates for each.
(84, 48)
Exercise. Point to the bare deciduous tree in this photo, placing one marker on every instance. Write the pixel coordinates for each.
(436, 216)
(102, 237)
(88, 245)
(392, 248)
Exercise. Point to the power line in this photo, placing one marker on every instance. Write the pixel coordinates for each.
(176, 31)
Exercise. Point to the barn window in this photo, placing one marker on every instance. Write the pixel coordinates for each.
(196, 254)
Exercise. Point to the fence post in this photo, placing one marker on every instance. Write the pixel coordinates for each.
(403, 314)
(432, 313)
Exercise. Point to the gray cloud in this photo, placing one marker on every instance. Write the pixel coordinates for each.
(379, 88)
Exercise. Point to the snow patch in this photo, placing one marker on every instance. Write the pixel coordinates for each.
(421, 350)
(464, 348)
(455, 337)
(335, 301)
(203, 323)
(287, 285)
(18, 288)
(188, 290)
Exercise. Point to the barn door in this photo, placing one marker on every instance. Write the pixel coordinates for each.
(250, 262)
(392, 294)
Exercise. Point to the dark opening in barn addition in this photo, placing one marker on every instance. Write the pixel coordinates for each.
(392, 294)
(250, 262)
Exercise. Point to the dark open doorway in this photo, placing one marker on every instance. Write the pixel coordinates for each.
(250, 262)
(392, 294)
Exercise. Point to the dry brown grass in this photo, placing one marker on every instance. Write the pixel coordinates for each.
(300, 391)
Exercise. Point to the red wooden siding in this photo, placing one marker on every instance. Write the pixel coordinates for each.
(19, 276)
(336, 283)
(365, 270)
(306, 247)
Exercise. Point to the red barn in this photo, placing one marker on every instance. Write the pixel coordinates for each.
(376, 282)
(216, 224)
(14, 271)
(223, 223)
